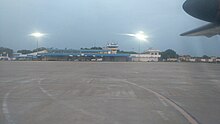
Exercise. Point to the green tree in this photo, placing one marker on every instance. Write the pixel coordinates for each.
(85, 48)
(96, 48)
(24, 51)
(205, 57)
(169, 54)
(92, 48)
(39, 49)
(4, 51)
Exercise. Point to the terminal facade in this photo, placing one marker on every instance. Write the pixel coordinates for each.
(150, 55)
(108, 53)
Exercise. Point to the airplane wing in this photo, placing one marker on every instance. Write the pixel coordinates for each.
(208, 30)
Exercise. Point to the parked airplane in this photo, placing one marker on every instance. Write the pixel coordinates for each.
(206, 10)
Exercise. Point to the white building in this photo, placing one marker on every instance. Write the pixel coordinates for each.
(4, 57)
(35, 53)
(150, 55)
(172, 60)
(192, 60)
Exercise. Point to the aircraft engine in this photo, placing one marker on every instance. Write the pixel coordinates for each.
(207, 10)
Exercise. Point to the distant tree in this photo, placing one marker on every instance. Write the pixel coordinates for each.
(39, 49)
(4, 51)
(56, 50)
(24, 51)
(206, 57)
(92, 48)
(85, 48)
(96, 48)
(169, 54)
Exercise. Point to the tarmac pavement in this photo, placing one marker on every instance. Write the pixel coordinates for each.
(109, 93)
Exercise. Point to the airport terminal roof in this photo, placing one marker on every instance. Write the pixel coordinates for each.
(85, 55)
(88, 51)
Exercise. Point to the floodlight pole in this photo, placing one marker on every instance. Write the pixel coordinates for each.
(37, 35)
(37, 44)
(139, 51)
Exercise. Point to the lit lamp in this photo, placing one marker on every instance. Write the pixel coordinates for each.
(37, 35)
(141, 36)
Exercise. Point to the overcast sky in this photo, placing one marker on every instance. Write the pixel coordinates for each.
(85, 23)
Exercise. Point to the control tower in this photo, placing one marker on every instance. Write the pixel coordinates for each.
(113, 47)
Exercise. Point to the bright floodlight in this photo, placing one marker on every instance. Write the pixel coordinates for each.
(37, 34)
(140, 36)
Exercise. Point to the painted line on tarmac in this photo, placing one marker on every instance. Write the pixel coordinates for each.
(5, 107)
(189, 117)
(42, 89)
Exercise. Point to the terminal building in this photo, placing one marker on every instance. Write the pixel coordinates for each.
(28, 57)
(150, 55)
(108, 53)
(84, 57)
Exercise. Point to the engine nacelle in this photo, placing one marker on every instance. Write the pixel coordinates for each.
(207, 10)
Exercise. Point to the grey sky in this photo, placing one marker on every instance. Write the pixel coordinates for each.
(84, 23)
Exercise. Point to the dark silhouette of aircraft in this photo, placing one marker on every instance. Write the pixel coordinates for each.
(206, 10)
